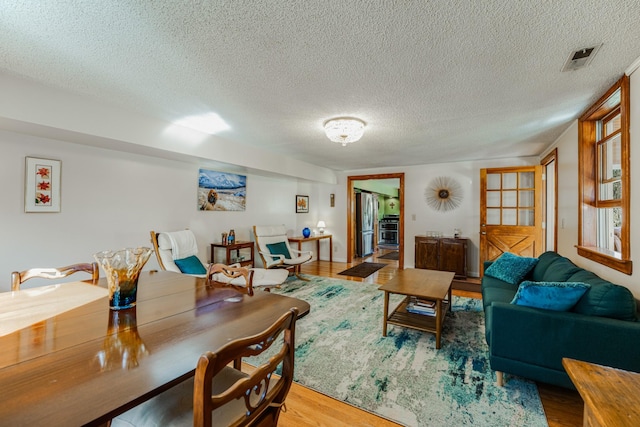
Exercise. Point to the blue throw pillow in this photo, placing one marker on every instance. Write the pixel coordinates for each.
(279, 248)
(511, 268)
(190, 265)
(558, 296)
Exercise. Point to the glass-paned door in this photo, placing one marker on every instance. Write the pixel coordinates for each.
(510, 211)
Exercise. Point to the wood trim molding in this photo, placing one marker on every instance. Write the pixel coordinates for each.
(351, 206)
(606, 258)
(587, 194)
(552, 157)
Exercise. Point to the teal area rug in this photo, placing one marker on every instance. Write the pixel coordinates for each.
(340, 351)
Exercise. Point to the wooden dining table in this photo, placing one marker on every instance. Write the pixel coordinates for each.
(66, 359)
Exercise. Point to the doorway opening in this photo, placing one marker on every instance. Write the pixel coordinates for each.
(351, 212)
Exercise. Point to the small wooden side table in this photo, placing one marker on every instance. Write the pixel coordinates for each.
(316, 238)
(610, 395)
(233, 247)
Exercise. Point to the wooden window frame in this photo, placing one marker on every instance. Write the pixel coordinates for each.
(552, 157)
(588, 203)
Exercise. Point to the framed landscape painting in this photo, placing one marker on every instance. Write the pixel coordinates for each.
(221, 191)
(42, 185)
(302, 204)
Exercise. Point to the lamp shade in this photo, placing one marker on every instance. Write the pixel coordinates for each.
(344, 129)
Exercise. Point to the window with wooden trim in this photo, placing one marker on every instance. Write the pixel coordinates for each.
(604, 171)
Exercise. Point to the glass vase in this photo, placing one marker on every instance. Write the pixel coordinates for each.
(122, 269)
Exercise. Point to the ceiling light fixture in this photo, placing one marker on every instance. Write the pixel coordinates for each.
(344, 130)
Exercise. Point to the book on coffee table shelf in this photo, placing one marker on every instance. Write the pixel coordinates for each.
(420, 306)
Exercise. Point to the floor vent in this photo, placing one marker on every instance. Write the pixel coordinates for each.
(580, 58)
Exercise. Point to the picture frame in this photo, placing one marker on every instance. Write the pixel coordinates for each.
(302, 204)
(42, 185)
(221, 191)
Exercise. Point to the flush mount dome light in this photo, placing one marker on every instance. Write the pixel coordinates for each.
(344, 129)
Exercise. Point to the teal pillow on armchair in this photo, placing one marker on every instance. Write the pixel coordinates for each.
(279, 248)
(190, 265)
(511, 268)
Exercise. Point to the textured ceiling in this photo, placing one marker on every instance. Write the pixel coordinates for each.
(436, 81)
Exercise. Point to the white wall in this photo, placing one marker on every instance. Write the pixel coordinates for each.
(567, 146)
(112, 199)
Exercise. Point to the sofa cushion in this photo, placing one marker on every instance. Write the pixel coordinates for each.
(511, 268)
(544, 261)
(492, 282)
(559, 271)
(557, 296)
(190, 265)
(491, 295)
(605, 299)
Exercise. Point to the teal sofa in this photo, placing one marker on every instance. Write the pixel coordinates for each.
(530, 342)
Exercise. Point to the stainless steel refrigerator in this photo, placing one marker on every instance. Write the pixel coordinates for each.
(365, 213)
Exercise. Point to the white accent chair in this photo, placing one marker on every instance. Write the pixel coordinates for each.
(275, 251)
(173, 245)
(241, 278)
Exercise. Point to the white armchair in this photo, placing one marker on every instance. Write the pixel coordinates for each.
(173, 248)
(177, 251)
(275, 251)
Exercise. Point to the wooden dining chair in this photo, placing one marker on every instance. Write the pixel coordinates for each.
(221, 395)
(19, 277)
(245, 280)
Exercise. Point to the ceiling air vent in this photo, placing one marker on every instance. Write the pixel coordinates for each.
(580, 58)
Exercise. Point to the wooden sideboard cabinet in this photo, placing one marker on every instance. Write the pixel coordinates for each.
(442, 253)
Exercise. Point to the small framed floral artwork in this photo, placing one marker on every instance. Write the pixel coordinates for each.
(302, 204)
(42, 185)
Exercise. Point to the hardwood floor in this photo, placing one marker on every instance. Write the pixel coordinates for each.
(562, 407)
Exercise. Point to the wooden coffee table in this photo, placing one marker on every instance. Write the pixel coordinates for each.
(429, 285)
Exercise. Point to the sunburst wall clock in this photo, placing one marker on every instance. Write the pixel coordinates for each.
(443, 194)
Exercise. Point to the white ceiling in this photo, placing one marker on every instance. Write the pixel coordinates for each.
(436, 81)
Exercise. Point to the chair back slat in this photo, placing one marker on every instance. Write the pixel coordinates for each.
(19, 277)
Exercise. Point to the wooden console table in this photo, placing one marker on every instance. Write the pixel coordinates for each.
(317, 238)
(442, 253)
(610, 395)
(230, 248)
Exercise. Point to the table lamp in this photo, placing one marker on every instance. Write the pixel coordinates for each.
(321, 225)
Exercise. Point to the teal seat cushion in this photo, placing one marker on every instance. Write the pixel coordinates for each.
(279, 248)
(511, 268)
(190, 265)
(557, 296)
